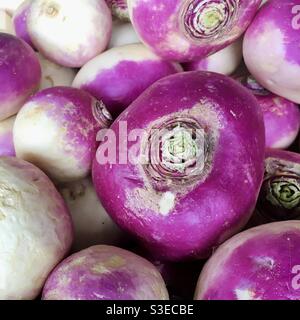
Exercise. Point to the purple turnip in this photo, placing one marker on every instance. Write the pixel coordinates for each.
(271, 48)
(189, 176)
(281, 116)
(56, 130)
(225, 61)
(105, 273)
(69, 33)
(20, 22)
(119, 75)
(185, 30)
(262, 263)
(92, 224)
(35, 229)
(6, 137)
(20, 74)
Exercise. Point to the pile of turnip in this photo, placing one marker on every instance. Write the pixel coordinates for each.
(149, 150)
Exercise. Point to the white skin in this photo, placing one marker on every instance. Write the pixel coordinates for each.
(6, 24)
(67, 32)
(10, 5)
(122, 34)
(33, 239)
(54, 75)
(45, 149)
(110, 58)
(6, 126)
(92, 224)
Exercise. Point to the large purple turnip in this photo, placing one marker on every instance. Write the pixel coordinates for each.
(105, 273)
(189, 176)
(262, 263)
(271, 48)
(185, 30)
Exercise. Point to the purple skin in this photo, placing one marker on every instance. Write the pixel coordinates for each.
(271, 48)
(279, 198)
(262, 263)
(7, 148)
(184, 35)
(119, 85)
(204, 200)
(78, 116)
(281, 116)
(20, 74)
(105, 273)
(20, 23)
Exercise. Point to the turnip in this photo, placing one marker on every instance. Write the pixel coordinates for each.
(185, 30)
(279, 197)
(6, 24)
(105, 273)
(6, 137)
(281, 116)
(91, 222)
(20, 74)
(119, 75)
(189, 176)
(67, 32)
(35, 229)
(20, 21)
(56, 130)
(122, 34)
(225, 61)
(54, 75)
(119, 9)
(262, 263)
(10, 5)
(271, 48)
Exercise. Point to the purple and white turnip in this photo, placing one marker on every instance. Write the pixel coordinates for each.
(35, 229)
(225, 61)
(92, 224)
(20, 74)
(189, 175)
(271, 48)
(6, 137)
(281, 116)
(119, 75)
(105, 273)
(185, 30)
(56, 130)
(69, 33)
(262, 263)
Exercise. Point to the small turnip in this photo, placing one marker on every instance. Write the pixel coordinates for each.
(35, 229)
(271, 48)
(105, 273)
(186, 30)
(69, 33)
(191, 177)
(119, 75)
(56, 130)
(262, 263)
(20, 74)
